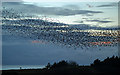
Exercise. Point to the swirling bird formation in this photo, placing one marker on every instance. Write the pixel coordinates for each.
(43, 28)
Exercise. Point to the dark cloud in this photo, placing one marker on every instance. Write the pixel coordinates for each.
(67, 12)
(99, 21)
(108, 5)
(85, 18)
(78, 21)
(89, 26)
(32, 9)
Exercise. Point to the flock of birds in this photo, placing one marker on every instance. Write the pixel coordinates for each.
(46, 29)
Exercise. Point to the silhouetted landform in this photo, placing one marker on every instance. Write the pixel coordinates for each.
(109, 66)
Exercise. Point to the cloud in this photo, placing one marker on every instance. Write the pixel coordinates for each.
(99, 21)
(12, 0)
(89, 14)
(68, 12)
(108, 5)
(70, 6)
(84, 18)
(61, 11)
(78, 21)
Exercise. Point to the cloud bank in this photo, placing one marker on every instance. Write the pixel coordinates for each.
(99, 21)
(108, 5)
(60, 11)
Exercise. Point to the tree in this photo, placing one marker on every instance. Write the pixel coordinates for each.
(72, 63)
(48, 66)
(97, 62)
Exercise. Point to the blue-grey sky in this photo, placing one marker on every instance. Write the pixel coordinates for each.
(20, 51)
(23, 51)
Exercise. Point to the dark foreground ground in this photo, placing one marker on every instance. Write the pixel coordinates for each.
(110, 66)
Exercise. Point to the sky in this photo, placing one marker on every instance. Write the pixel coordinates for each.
(21, 51)
(99, 14)
(96, 14)
(63, 0)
